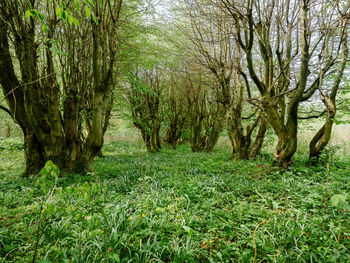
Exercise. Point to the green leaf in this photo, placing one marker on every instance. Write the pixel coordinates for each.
(28, 14)
(95, 20)
(59, 11)
(40, 15)
(45, 28)
(73, 21)
(76, 21)
(219, 255)
(115, 257)
(338, 200)
(64, 15)
(188, 229)
(88, 12)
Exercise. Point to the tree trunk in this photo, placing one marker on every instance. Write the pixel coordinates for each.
(287, 135)
(259, 139)
(94, 140)
(285, 150)
(170, 137)
(35, 103)
(197, 141)
(241, 139)
(211, 140)
(33, 154)
(151, 138)
(322, 137)
(173, 133)
(13, 92)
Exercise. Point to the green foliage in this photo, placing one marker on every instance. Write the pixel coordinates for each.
(11, 144)
(35, 14)
(139, 85)
(47, 177)
(65, 14)
(338, 200)
(175, 207)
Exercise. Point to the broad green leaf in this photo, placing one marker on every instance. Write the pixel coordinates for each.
(59, 12)
(73, 21)
(40, 15)
(76, 21)
(188, 229)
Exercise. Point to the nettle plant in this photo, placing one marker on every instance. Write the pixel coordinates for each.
(48, 177)
(71, 203)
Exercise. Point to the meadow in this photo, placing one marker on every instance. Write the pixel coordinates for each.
(175, 206)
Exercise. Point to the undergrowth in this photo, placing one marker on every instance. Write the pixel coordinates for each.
(175, 206)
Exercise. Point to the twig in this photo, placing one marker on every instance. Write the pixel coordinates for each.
(6, 110)
(256, 228)
(326, 192)
(29, 83)
(38, 231)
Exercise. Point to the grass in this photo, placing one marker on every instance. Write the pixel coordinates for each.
(175, 206)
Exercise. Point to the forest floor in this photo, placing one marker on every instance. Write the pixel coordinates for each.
(175, 206)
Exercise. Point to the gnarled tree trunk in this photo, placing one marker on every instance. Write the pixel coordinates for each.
(35, 104)
(322, 137)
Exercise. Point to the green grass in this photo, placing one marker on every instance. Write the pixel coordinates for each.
(175, 206)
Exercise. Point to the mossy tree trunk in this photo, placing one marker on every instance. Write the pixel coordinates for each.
(14, 95)
(241, 138)
(104, 44)
(8, 130)
(322, 137)
(197, 140)
(35, 102)
(259, 138)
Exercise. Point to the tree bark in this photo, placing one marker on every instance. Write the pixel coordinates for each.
(14, 95)
(35, 104)
(33, 153)
(259, 139)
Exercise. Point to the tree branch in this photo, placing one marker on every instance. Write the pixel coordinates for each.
(312, 116)
(6, 110)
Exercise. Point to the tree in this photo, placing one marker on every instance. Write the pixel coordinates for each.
(322, 137)
(143, 94)
(177, 108)
(205, 118)
(218, 52)
(34, 97)
(280, 40)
